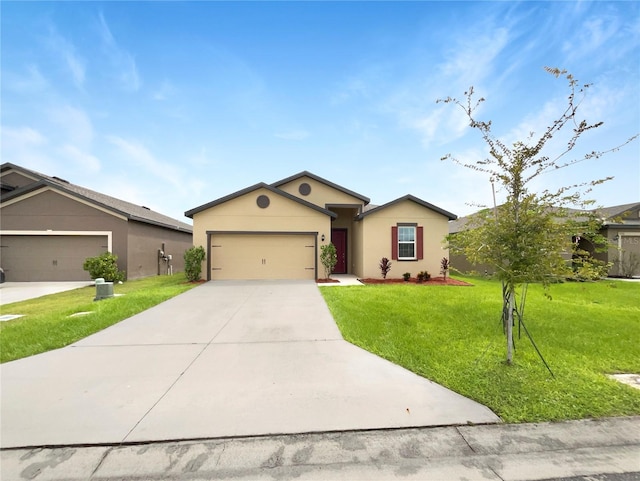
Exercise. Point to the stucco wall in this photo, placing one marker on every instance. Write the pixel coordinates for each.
(143, 245)
(242, 214)
(376, 238)
(321, 194)
(50, 210)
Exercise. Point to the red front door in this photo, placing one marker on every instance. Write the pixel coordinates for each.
(339, 240)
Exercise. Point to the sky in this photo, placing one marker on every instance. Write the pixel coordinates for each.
(172, 105)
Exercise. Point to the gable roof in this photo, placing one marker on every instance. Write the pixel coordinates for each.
(412, 198)
(616, 213)
(317, 178)
(127, 209)
(609, 215)
(261, 185)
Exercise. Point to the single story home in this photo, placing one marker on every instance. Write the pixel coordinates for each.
(50, 226)
(276, 231)
(620, 226)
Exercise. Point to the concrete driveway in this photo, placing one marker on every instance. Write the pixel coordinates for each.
(22, 291)
(230, 358)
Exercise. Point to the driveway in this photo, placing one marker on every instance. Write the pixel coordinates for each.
(22, 291)
(228, 358)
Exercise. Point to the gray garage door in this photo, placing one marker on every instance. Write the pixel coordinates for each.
(34, 258)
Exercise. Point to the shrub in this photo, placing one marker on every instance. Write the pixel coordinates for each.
(444, 267)
(423, 276)
(328, 258)
(106, 266)
(406, 276)
(385, 267)
(193, 258)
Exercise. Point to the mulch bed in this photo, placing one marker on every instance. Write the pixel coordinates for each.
(326, 281)
(434, 281)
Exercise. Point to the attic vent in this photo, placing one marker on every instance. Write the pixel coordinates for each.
(61, 180)
(145, 207)
(304, 189)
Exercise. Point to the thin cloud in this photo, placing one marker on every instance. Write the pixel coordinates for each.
(75, 124)
(121, 60)
(83, 160)
(67, 51)
(30, 81)
(141, 156)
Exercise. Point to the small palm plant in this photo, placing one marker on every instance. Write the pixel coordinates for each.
(385, 267)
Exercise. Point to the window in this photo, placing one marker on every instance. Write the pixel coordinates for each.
(406, 242)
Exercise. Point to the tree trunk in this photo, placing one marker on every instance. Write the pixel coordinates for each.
(509, 327)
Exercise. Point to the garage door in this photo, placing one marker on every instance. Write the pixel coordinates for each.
(34, 258)
(263, 256)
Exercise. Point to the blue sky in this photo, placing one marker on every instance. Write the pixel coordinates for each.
(174, 104)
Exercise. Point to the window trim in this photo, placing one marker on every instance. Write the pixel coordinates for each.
(414, 242)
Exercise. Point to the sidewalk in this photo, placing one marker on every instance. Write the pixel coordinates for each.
(489, 452)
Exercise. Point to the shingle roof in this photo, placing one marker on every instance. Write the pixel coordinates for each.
(607, 214)
(127, 209)
(261, 185)
(315, 177)
(616, 211)
(412, 198)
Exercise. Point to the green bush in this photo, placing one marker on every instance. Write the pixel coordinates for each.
(328, 258)
(105, 266)
(193, 258)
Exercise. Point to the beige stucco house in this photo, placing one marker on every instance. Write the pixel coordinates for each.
(275, 231)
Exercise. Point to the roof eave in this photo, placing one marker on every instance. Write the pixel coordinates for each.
(412, 198)
(306, 173)
(247, 190)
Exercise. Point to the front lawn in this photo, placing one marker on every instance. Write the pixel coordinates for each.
(453, 336)
(48, 322)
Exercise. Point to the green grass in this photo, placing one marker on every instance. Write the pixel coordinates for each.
(47, 324)
(453, 336)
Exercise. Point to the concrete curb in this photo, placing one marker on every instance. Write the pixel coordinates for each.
(494, 452)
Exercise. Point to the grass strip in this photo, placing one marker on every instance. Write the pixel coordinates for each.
(453, 336)
(48, 322)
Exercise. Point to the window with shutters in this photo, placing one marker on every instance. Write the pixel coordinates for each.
(406, 243)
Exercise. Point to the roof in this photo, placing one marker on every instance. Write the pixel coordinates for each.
(609, 215)
(127, 209)
(261, 185)
(317, 178)
(616, 212)
(411, 198)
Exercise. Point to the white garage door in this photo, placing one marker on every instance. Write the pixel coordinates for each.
(36, 258)
(263, 256)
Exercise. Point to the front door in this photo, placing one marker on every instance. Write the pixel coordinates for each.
(339, 240)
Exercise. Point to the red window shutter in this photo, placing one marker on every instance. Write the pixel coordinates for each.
(394, 242)
(420, 242)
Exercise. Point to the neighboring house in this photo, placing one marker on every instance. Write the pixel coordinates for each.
(50, 226)
(620, 225)
(275, 231)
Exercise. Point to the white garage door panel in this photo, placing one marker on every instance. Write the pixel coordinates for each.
(37, 258)
(262, 256)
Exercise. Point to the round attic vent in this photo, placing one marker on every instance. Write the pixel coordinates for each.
(263, 201)
(304, 189)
